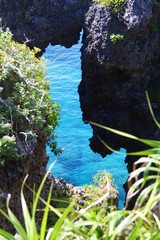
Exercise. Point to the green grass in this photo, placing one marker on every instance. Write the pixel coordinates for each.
(97, 219)
(94, 222)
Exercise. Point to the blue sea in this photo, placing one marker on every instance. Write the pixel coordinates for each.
(77, 164)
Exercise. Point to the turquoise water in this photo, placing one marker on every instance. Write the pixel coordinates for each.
(77, 164)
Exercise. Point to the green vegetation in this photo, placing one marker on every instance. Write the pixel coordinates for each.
(27, 112)
(92, 221)
(116, 37)
(117, 4)
(101, 192)
(30, 231)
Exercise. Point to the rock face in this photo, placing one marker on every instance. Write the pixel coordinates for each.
(42, 22)
(120, 61)
(32, 163)
(37, 23)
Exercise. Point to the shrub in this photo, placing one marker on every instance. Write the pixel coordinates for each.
(117, 4)
(27, 112)
(116, 37)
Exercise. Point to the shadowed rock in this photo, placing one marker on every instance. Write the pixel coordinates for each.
(115, 75)
(40, 22)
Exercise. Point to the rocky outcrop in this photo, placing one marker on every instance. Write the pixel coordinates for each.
(32, 163)
(37, 23)
(40, 22)
(120, 61)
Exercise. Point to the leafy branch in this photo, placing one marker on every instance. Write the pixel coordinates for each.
(25, 103)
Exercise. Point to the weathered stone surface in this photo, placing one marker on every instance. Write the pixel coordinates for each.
(38, 23)
(138, 14)
(32, 163)
(42, 22)
(116, 75)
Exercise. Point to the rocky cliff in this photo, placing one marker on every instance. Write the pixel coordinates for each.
(120, 61)
(37, 23)
(40, 22)
(32, 163)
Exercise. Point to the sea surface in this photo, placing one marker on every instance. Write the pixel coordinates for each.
(77, 164)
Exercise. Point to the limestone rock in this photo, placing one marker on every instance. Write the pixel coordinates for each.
(115, 75)
(40, 22)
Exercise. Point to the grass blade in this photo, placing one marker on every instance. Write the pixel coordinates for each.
(60, 222)
(26, 214)
(5, 235)
(140, 153)
(45, 216)
(15, 222)
(40, 189)
(151, 110)
(37, 198)
(51, 208)
(151, 143)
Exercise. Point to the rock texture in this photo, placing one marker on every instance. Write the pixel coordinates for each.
(115, 75)
(37, 23)
(32, 163)
(40, 22)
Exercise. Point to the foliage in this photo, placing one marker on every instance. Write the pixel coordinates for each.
(94, 222)
(102, 185)
(116, 37)
(116, 4)
(30, 231)
(153, 144)
(27, 112)
(100, 192)
(154, 25)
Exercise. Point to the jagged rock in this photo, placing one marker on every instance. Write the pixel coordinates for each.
(115, 75)
(40, 22)
(37, 23)
(13, 174)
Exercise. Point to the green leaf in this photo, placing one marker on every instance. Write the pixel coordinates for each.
(59, 223)
(26, 214)
(151, 143)
(15, 222)
(151, 110)
(5, 235)
(45, 216)
(140, 153)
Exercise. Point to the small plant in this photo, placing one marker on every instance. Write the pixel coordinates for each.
(94, 222)
(101, 192)
(102, 184)
(30, 230)
(118, 5)
(116, 37)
